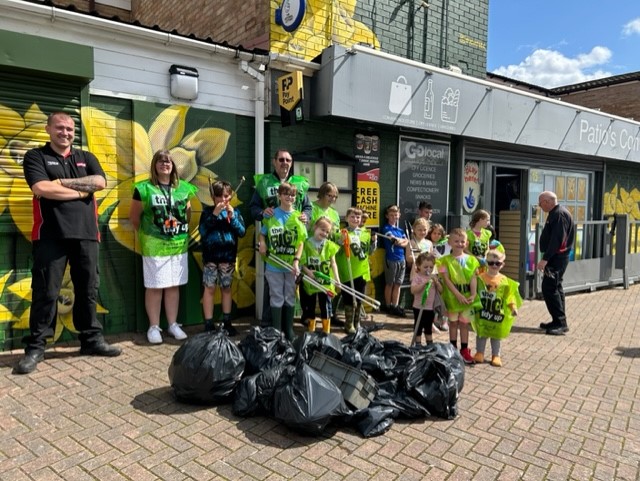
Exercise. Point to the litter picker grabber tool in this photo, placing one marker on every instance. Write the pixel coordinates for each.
(352, 292)
(233, 193)
(355, 312)
(309, 279)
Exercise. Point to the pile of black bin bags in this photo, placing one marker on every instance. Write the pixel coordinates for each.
(266, 375)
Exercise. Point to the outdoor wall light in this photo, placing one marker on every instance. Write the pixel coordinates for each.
(184, 82)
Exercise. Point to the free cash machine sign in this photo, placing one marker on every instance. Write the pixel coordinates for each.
(290, 96)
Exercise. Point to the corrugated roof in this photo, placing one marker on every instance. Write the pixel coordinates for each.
(601, 82)
(535, 88)
(566, 89)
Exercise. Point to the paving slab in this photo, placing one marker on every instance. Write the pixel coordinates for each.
(561, 408)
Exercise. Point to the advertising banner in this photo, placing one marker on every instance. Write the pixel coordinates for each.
(423, 176)
(366, 150)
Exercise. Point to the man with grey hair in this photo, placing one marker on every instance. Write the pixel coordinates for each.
(556, 242)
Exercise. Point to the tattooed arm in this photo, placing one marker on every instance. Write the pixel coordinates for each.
(88, 184)
(69, 189)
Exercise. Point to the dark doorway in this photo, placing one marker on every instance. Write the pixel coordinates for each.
(508, 193)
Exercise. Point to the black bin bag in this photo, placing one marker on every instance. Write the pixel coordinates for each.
(206, 369)
(435, 381)
(306, 400)
(264, 348)
(374, 421)
(310, 342)
(254, 394)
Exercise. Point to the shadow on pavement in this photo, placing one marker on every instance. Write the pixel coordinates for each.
(527, 330)
(628, 351)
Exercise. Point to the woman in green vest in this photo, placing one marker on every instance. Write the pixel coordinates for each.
(160, 212)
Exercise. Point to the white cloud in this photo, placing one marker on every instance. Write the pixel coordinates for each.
(633, 27)
(549, 68)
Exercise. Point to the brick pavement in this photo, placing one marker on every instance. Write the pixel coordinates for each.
(561, 408)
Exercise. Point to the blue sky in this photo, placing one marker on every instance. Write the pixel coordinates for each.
(563, 42)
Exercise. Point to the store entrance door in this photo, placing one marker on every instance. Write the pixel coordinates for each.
(509, 217)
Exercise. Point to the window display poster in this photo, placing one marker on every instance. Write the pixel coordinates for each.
(366, 150)
(423, 177)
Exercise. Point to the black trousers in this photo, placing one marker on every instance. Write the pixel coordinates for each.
(552, 290)
(426, 321)
(308, 304)
(359, 284)
(50, 259)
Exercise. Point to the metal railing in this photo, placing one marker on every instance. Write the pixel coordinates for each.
(606, 254)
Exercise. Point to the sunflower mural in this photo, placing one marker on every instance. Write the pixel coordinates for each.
(125, 148)
(621, 201)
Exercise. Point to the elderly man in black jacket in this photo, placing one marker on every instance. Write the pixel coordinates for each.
(556, 242)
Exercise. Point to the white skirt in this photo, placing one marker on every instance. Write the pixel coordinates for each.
(165, 271)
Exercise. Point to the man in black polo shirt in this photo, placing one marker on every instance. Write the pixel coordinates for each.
(65, 229)
(556, 242)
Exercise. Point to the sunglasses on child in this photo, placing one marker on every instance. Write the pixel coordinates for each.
(494, 263)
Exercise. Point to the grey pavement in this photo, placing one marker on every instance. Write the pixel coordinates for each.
(561, 408)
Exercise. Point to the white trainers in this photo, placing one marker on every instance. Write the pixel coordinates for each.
(175, 330)
(154, 336)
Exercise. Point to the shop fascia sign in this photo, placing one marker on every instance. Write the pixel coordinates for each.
(409, 94)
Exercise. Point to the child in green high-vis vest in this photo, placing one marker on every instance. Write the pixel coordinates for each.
(459, 273)
(353, 264)
(319, 262)
(500, 300)
(283, 235)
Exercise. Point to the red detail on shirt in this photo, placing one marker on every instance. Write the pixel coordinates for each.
(37, 219)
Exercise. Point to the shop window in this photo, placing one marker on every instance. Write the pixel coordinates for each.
(328, 165)
(572, 189)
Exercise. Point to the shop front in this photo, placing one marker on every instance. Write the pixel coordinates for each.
(465, 144)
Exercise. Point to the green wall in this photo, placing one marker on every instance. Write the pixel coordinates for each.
(455, 32)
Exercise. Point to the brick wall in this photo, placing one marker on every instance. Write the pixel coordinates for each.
(620, 99)
(455, 34)
(87, 6)
(238, 23)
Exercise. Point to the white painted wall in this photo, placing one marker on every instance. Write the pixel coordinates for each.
(131, 62)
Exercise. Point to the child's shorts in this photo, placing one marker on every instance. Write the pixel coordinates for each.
(218, 274)
(464, 316)
(394, 272)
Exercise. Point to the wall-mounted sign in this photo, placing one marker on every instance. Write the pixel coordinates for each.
(290, 97)
(470, 186)
(424, 177)
(366, 150)
(290, 14)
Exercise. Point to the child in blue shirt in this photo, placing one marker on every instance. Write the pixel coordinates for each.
(220, 227)
(395, 243)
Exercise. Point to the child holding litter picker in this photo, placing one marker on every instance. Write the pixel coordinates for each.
(220, 227)
(281, 241)
(500, 299)
(425, 287)
(395, 243)
(319, 262)
(356, 244)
